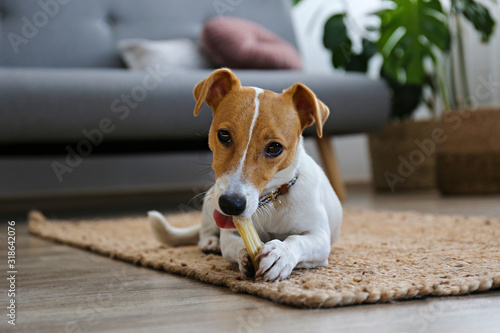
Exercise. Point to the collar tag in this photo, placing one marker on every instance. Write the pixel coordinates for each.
(273, 196)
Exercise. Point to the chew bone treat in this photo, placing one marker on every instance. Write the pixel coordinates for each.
(250, 237)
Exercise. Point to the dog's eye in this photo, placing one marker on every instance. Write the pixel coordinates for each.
(224, 136)
(274, 149)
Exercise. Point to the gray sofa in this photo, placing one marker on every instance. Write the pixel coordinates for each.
(63, 85)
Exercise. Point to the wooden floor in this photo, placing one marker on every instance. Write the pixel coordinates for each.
(62, 289)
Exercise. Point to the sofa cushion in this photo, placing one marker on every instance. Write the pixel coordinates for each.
(238, 43)
(84, 33)
(179, 53)
(70, 105)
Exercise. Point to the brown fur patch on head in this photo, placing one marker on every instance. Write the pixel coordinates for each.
(281, 119)
(277, 122)
(234, 114)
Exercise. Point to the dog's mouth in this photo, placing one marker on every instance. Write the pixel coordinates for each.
(223, 221)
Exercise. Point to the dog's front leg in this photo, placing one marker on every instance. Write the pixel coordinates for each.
(234, 251)
(209, 232)
(279, 258)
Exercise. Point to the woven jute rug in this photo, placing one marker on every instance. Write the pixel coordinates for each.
(380, 257)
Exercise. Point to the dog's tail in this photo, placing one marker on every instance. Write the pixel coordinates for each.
(170, 235)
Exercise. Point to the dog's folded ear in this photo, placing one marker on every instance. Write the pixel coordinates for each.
(309, 108)
(214, 88)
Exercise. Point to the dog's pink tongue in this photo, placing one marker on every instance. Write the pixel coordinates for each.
(223, 221)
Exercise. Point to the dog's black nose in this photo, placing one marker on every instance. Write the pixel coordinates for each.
(232, 204)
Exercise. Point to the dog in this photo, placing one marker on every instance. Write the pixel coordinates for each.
(262, 172)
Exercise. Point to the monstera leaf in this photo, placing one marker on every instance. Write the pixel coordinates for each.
(411, 32)
(477, 14)
(336, 39)
(359, 61)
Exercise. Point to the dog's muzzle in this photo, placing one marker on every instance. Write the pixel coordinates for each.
(232, 204)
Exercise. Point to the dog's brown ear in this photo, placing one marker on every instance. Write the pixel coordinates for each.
(309, 108)
(214, 88)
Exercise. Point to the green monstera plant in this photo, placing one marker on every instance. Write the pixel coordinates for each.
(414, 39)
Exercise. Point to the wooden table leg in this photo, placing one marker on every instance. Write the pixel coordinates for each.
(331, 166)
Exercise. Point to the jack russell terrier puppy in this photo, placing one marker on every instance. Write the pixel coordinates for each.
(262, 171)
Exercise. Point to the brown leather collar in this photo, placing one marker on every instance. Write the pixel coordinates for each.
(273, 196)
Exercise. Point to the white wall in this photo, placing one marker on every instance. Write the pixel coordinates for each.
(352, 151)
(483, 62)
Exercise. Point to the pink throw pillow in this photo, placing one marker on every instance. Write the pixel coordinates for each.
(238, 43)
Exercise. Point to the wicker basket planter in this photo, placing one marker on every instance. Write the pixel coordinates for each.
(403, 156)
(468, 161)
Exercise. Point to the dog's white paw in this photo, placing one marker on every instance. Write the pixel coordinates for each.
(245, 264)
(210, 244)
(276, 261)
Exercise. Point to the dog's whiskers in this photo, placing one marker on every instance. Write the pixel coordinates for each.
(203, 172)
(264, 212)
(208, 198)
